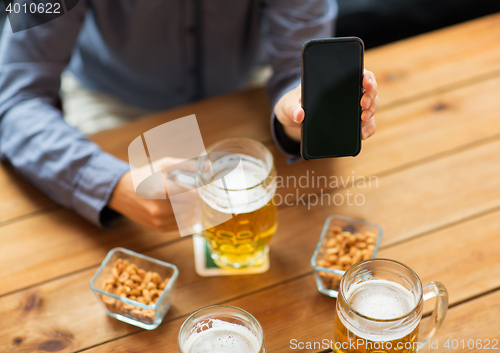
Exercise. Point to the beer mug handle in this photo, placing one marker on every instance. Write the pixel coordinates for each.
(438, 291)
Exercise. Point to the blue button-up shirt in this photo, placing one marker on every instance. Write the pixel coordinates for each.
(153, 54)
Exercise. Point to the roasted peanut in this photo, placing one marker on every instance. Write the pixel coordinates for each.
(128, 307)
(332, 259)
(360, 236)
(345, 260)
(129, 281)
(132, 269)
(125, 264)
(332, 251)
(361, 245)
(107, 300)
(156, 278)
(331, 243)
(115, 273)
(123, 277)
(136, 278)
(335, 229)
(146, 295)
(322, 263)
(343, 249)
(357, 257)
(136, 312)
(135, 292)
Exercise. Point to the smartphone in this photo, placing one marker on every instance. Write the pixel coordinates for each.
(332, 75)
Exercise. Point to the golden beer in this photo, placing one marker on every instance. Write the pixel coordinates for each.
(237, 213)
(221, 329)
(242, 240)
(380, 300)
(379, 308)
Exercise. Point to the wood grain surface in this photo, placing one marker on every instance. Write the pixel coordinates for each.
(435, 191)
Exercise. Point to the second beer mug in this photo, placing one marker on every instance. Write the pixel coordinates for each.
(221, 329)
(380, 306)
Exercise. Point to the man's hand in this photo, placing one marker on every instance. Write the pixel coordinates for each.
(156, 214)
(289, 111)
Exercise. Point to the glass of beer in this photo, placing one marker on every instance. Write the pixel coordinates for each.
(221, 329)
(379, 308)
(236, 183)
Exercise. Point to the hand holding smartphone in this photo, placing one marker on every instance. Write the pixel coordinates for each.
(332, 75)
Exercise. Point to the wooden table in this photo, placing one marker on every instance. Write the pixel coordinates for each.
(436, 159)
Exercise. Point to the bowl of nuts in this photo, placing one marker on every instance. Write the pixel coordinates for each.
(343, 242)
(134, 288)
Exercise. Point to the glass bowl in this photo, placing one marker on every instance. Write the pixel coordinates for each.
(128, 310)
(328, 273)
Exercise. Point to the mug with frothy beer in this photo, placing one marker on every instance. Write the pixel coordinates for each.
(379, 308)
(221, 329)
(236, 182)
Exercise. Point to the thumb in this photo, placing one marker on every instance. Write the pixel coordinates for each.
(289, 110)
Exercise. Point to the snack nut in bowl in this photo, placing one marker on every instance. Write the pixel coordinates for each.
(134, 288)
(343, 242)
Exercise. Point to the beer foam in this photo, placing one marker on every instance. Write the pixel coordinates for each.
(222, 337)
(380, 300)
(243, 193)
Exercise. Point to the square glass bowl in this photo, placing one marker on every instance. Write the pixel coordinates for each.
(328, 278)
(131, 311)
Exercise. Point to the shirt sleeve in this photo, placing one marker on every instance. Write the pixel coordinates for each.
(289, 24)
(34, 137)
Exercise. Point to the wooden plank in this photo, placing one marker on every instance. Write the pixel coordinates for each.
(430, 195)
(18, 197)
(406, 203)
(476, 319)
(312, 321)
(460, 256)
(296, 310)
(57, 243)
(436, 60)
(407, 134)
(415, 67)
(430, 126)
(418, 199)
(239, 114)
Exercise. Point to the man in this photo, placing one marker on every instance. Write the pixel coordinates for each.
(150, 55)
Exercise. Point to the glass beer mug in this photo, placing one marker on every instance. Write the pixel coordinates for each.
(236, 182)
(221, 329)
(379, 308)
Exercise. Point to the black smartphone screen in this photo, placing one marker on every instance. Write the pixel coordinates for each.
(331, 92)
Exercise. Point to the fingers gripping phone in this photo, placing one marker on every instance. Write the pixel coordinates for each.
(332, 74)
